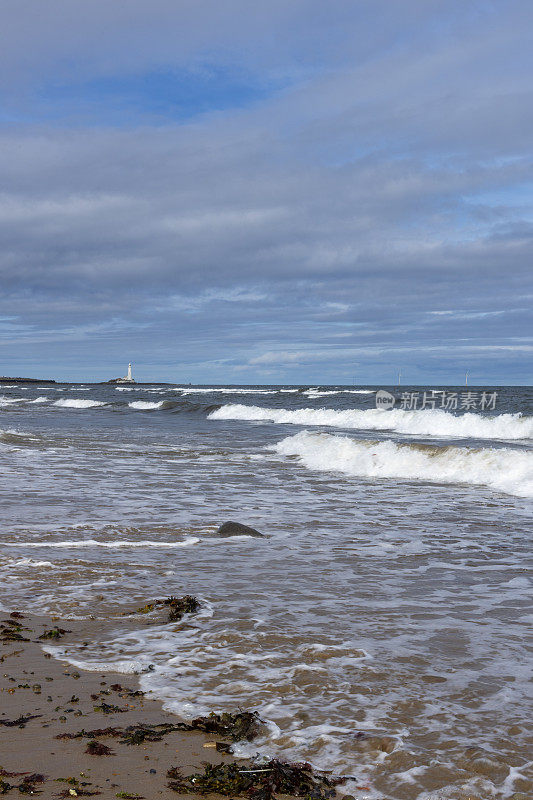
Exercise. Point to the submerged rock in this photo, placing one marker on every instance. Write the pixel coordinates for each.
(237, 529)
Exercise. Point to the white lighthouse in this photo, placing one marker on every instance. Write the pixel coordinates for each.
(129, 376)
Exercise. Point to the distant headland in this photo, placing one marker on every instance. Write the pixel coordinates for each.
(26, 380)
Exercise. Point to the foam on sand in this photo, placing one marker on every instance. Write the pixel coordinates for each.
(506, 470)
(414, 423)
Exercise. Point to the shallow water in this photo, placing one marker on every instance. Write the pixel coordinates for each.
(380, 628)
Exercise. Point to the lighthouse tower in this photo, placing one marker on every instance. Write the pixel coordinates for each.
(126, 379)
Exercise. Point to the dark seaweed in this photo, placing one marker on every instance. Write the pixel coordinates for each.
(178, 607)
(26, 786)
(260, 783)
(240, 726)
(107, 708)
(54, 633)
(95, 748)
(21, 721)
(243, 725)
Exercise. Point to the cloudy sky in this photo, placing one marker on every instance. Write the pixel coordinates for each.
(278, 192)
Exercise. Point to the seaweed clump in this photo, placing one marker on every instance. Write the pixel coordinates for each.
(262, 783)
(54, 633)
(77, 788)
(28, 785)
(95, 748)
(241, 726)
(109, 708)
(178, 606)
(20, 721)
(11, 631)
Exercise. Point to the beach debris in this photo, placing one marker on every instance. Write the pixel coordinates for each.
(20, 721)
(297, 780)
(97, 732)
(109, 708)
(127, 796)
(237, 529)
(8, 655)
(11, 631)
(240, 726)
(77, 788)
(28, 785)
(95, 748)
(125, 692)
(178, 607)
(54, 633)
(140, 734)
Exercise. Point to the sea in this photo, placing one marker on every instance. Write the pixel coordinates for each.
(381, 627)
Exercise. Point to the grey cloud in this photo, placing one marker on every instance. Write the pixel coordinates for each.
(326, 219)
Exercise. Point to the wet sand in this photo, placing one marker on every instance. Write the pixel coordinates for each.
(63, 700)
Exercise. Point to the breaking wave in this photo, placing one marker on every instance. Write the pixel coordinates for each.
(74, 402)
(509, 471)
(8, 401)
(414, 423)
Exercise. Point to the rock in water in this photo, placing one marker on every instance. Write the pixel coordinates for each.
(236, 529)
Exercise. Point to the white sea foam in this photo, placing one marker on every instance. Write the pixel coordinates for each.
(39, 400)
(316, 393)
(143, 405)
(74, 402)
(7, 401)
(225, 391)
(505, 470)
(30, 562)
(95, 543)
(122, 666)
(415, 423)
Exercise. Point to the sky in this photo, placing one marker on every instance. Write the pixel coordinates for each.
(292, 191)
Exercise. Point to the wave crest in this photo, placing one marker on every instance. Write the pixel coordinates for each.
(75, 402)
(414, 423)
(506, 470)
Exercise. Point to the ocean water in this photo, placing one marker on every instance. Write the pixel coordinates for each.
(381, 627)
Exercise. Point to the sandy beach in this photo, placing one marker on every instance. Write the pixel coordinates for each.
(68, 733)
(43, 699)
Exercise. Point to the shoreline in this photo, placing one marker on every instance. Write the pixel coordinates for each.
(49, 698)
(67, 732)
